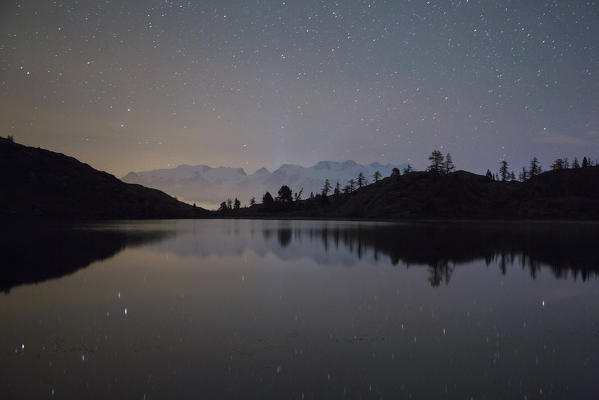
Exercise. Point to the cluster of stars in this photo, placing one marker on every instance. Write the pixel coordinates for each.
(380, 80)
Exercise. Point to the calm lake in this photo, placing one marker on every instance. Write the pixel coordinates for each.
(300, 310)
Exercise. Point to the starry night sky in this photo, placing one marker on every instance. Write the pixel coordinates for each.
(134, 85)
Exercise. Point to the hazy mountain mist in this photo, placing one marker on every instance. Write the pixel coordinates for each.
(208, 186)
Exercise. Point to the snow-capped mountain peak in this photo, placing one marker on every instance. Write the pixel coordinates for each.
(209, 186)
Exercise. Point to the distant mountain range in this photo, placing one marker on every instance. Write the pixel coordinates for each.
(38, 183)
(209, 186)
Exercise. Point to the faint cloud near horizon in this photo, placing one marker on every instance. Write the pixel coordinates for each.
(559, 139)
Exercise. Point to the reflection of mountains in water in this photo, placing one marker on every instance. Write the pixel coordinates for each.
(563, 247)
(36, 253)
(32, 254)
(566, 248)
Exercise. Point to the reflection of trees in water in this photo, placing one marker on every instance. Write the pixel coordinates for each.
(566, 248)
(33, 253)
(441, 272)
(284, 236)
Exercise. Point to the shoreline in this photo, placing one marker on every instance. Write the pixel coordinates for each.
(61, 220)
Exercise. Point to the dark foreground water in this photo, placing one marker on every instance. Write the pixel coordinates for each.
(299, 309)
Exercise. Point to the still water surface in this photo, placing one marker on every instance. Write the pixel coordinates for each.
(299, 309)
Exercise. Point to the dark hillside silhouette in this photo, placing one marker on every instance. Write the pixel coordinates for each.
(441, 193)
(40, 183)
(555, 194)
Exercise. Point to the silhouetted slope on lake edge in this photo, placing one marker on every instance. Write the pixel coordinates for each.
(560, 194)
(40, 183)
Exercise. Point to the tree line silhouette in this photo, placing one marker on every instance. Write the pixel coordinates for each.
(535, 168)
(440, 164)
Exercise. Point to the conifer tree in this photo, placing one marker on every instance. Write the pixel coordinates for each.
(352, 185)
(361, 181)
(326, 188)
(267, 200)
(223, 207)
(436, 158)
(284, 194)
(535, 167)
(377, 175)
(523, 175)
(585, 162)
(503, 170)
(448, 166)
(557, 164)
